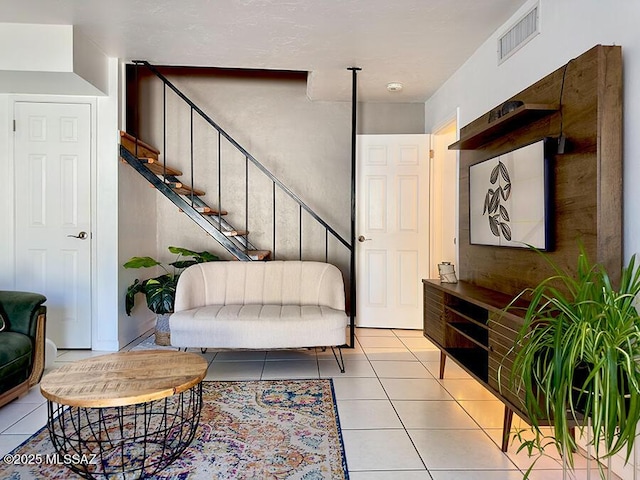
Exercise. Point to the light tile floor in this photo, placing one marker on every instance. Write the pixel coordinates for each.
(398, 420)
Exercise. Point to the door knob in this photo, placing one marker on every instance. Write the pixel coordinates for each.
(362, 238)
(81, 236)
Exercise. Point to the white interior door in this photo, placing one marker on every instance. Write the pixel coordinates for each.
(392, 229)
(52, 159)
(444, 199)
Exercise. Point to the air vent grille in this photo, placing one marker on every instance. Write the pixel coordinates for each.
(518, 35)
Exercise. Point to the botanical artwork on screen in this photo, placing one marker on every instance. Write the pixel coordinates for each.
(495, 199)
(508, 199)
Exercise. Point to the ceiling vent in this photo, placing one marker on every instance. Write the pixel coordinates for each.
(518, 35)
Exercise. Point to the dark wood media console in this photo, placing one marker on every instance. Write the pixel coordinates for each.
(468, 323)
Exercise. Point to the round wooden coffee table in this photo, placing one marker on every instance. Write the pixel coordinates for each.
(124, 415)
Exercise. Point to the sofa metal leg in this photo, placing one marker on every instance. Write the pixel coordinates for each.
(341, 360)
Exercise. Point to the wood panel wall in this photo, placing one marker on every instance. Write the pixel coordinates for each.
(587, 193)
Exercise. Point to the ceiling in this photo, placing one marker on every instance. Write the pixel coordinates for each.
(419, 43)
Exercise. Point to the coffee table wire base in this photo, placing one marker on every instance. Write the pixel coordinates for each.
(128, 442)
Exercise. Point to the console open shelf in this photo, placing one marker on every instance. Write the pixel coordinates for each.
(468, 316)
(522, 115)
(479, 336)
(473, 361)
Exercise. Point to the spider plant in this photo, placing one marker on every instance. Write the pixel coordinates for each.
(576, 358)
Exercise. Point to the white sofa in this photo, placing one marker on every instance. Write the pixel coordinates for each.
(259, 305)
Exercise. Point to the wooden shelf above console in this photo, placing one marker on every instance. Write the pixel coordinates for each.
(513, 120)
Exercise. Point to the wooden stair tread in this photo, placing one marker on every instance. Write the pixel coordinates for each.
(159, 169)
(208, 211)
(143, 149)
(175, 185)
(259, 254)
(182, 189)
(185, 190)
(235, 233)
(213, 212)
(156, 167)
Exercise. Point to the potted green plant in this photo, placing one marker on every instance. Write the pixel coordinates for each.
(576, 359)
(160, 291)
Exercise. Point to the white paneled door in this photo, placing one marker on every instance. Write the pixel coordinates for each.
(392, 229)
(52, 159)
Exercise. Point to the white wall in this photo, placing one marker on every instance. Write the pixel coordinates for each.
(107, 296)
(390, 118)
(50, 60)
(28, 47)
(568, 28)
(7, 277)
(89, 63)
(137, 224)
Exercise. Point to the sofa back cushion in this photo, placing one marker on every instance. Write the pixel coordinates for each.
(20, 310)
(260, 283)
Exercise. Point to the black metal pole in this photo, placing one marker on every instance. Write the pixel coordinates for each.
(246, 202)
(135, 129)
(164, 131)
(273, 252)
(219, 182)
(352, 268)
(191, 142)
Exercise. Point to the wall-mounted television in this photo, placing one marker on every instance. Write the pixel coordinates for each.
(510, 198)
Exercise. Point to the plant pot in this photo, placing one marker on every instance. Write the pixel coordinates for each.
(163, 334)
(581, 395)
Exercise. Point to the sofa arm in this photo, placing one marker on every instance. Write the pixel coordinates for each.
(21, 310)
(37, 366)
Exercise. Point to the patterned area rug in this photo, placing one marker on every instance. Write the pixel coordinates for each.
(275, 429)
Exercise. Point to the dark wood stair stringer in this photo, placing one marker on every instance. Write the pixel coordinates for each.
(213, 225)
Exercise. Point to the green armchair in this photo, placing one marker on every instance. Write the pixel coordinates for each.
(22, 343)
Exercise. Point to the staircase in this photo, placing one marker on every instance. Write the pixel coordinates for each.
(144, 158)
